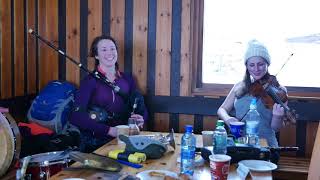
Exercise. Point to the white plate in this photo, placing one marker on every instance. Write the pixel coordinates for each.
(145, 175)
(258, 165)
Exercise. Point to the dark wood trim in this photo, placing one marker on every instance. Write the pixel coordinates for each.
(152, 26)
(152, 30)
(128, 36)
(175, 48)
(196, 31)
(25, 52)
(37, 46)
(183, 105)
(175, 59)
(106, 17)
(223, 90)
(12, 50)
(83, 36)
(198, 124)
(301, 133)
(174, 122)
(307, 110)
(62, 38)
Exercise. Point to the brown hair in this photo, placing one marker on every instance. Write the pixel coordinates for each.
(94, 49)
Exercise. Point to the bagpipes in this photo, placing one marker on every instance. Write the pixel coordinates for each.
(134, 100)
(134, 104)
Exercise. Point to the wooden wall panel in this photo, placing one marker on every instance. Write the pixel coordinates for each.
(94, 26)
(288, 138)
(209, 123)
(140, 39)
(163, 47)
(163, 55)
(185, 119)
(31, 48)
(117, 28)
(73, 39)
(185, 73)
(185, 70)
(18, 48)
(48, 28)
(6, 78)
(161, 123)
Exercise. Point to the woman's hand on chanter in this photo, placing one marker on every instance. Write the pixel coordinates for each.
(139, 119)
(113, 131)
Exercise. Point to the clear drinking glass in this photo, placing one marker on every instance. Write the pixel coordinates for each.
(133, 127)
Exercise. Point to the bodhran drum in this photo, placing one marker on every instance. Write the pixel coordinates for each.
(45, 165)
(10, 142)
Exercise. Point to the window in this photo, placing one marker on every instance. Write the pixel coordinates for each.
(289, 29)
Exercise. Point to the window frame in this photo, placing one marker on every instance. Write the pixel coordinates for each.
(217, 90)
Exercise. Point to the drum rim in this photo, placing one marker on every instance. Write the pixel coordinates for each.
(15, 143)
(57, 153)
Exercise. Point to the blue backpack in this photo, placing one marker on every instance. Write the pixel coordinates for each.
(51, 108)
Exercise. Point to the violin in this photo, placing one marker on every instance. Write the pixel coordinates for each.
(270, 92)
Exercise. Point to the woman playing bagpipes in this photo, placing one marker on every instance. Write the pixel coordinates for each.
(99, 107)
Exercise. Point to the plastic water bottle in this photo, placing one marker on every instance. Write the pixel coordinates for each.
(188, 147)
(252, 120)
(220, 139)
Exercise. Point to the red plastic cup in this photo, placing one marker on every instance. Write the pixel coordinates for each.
(219, 166)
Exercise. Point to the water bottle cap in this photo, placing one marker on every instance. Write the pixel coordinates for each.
(220, 123)
(188, 128)
(253, 103)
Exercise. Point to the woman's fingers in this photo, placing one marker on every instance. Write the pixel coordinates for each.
(139, 119)
(278, 109)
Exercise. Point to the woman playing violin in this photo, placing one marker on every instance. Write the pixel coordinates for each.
(257, 61)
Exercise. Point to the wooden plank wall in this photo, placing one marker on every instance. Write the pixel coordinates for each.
(153, 38)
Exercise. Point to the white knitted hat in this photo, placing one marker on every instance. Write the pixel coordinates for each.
(256, 48)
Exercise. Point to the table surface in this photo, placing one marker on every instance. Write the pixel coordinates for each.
(167, 162)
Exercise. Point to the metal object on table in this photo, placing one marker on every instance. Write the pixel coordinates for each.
(154, 146)
(96, 161)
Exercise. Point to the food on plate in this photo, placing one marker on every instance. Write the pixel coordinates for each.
(157, 174)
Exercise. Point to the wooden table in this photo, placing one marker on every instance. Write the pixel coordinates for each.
(167, 162)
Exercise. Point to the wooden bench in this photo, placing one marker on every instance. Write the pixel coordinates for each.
(292, 168)
(314, 170)
(300, 168)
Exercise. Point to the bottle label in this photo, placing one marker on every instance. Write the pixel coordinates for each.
(220, 144)
(187, 154)
(252, 127)
(221, 141)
